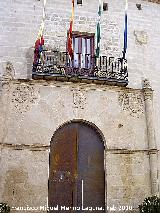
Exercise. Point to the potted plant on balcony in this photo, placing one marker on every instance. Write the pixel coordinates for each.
(150, 205)
(4, 208)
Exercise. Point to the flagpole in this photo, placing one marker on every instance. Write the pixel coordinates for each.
(41, 30)
(72, 14)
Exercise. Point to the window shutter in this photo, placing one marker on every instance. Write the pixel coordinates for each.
(79, 2)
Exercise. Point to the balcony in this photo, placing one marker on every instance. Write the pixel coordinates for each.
(56, 65)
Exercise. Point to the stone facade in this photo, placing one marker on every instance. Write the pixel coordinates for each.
(31, 111)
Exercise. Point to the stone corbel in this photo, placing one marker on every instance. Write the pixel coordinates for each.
(147, 90)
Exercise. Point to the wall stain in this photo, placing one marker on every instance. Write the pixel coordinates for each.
(132, 103)
(127, 177)
(18, 192)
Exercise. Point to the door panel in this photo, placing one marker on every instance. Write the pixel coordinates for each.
(91, 168)
(63, 167)
(76, 154)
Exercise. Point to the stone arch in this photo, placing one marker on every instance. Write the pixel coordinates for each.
(89, 123)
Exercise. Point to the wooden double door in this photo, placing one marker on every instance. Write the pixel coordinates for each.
(76, 170)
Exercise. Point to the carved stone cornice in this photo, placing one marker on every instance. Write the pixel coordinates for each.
(153, 1)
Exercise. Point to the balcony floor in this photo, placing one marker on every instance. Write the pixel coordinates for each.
(83, 79)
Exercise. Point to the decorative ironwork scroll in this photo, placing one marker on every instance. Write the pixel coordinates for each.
(60, 64)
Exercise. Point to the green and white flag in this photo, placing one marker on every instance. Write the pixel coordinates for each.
(98, 31)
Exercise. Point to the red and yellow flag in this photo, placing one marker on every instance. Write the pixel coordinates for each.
(70, 45)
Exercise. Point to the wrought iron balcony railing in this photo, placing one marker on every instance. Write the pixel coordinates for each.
(84, 67)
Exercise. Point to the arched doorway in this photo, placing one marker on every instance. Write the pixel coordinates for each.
(76, 169)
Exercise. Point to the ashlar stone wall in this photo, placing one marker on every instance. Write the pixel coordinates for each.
(20, 22)
(33, 110)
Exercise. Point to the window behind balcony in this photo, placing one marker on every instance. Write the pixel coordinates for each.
(83, 46)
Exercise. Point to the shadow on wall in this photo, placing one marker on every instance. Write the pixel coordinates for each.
(29, 61)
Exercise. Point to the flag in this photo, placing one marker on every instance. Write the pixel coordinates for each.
(125, 29)
(98, 31)
(83, 58)
(39, 44)
(38, 49)
(98, 40)
(70, 46)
